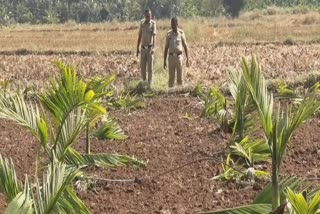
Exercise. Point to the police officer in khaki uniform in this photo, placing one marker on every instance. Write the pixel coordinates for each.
(175, 43)
(147, 39)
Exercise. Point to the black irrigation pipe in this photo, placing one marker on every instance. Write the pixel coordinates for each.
(312, 179)
(111, 180)
(140, 180)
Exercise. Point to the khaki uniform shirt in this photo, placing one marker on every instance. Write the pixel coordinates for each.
(175, 41)
(147, 30)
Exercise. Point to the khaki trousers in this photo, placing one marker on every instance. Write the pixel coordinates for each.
(175, 66)
(146, 64)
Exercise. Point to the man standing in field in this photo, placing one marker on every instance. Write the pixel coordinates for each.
(175, 43)
(147, 39)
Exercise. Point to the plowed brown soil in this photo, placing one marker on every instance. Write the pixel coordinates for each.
(162, 134)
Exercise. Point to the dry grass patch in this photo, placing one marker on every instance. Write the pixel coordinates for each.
(210, 64)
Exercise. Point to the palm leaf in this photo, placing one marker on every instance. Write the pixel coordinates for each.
(69, 132)
(66, 93)
(294, 183)
(315, 88)
(237, 149)
(72, 105)
(298, 202)
(301, 205)
(22, 203)
(54, 193)
(110, 130)
(16, 109)
(253, 152)
(70, 201)
(230, 170)
(8, 179)
(215, 106)
(314, 205)
(284, 91)
(252, 209)
(243, 105)
(260, 151)
(262, 99)
(288, 122)
(128, 102)
(101, 86)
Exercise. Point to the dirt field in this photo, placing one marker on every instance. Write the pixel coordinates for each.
(161, 135)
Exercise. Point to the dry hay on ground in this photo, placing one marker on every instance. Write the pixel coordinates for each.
(210, 64)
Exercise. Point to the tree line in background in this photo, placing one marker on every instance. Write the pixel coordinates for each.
(60, 11)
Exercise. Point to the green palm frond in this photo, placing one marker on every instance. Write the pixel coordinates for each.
(102, 160)
(110, 130)
(315, 88)
(22, 203)
(215, 106)
(284, 91)
(4, 85)
(301, 205)
(69, 132)
(101, 86)
(287, 122)
(70, 201)
(253, 152)
(260, 151)
(128, 102)
(43, 132)
(238, 150)
(199, 91)
(252, 209)
(244, 106)
(9, 184)
(294, 183)
(298, 202)
(230, 171)
(278, 129)
(53, 195)
(262, 99)
(16, 109)
(67, 93)
(314, 204)
(73, 104)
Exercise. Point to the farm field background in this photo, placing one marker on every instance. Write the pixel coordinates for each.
(216, 46)
(286, 45)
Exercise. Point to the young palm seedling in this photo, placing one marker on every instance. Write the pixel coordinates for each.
(53, 194)
(277, 127)
(69, 107)
(240, 122)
